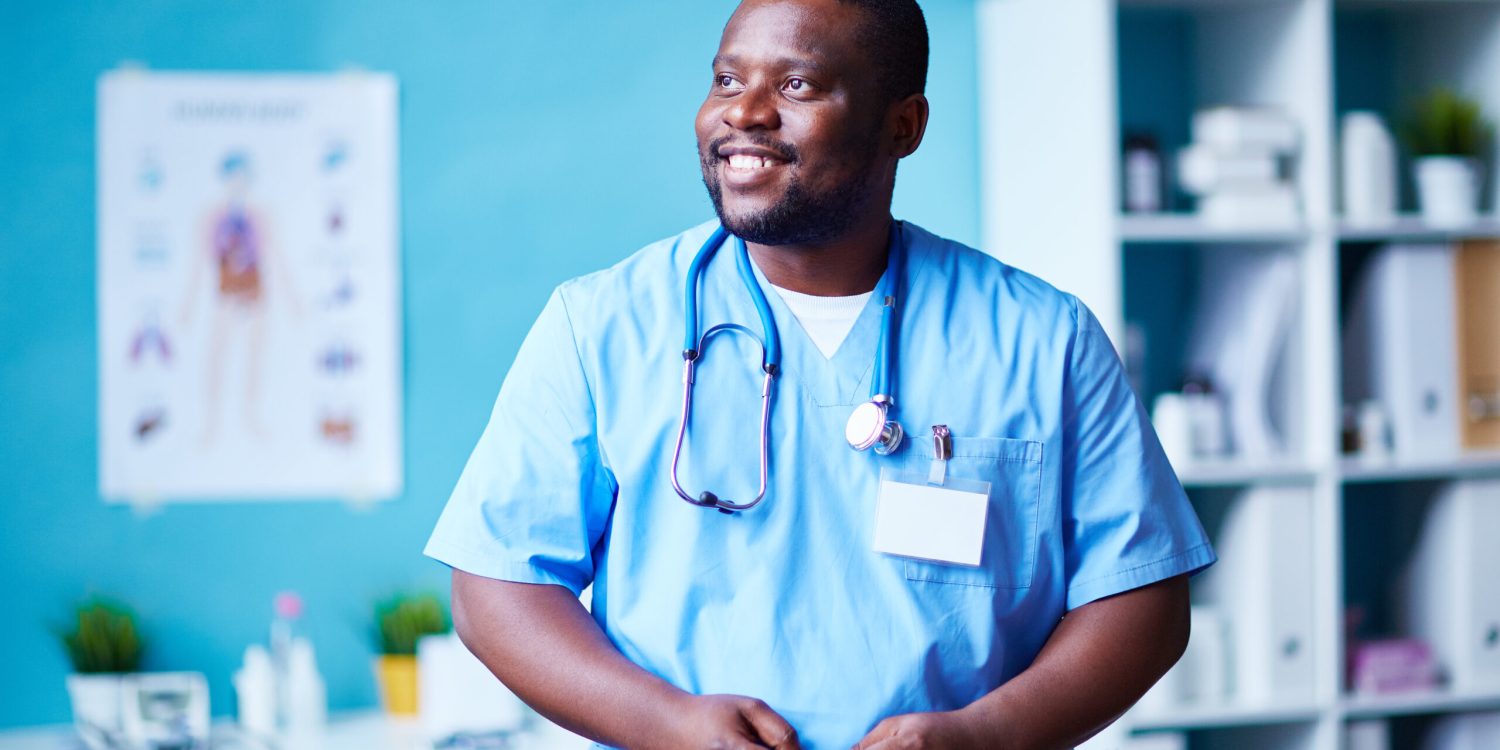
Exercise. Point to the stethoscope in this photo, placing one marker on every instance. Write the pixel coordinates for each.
(869, 426)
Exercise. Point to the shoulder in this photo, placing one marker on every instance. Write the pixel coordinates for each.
(645, 280)
(976, 283)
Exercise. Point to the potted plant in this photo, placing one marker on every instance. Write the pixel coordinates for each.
(104, 646)
(401, 621)
(1448, 137)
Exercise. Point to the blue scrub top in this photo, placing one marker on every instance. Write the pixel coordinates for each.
(787, 602)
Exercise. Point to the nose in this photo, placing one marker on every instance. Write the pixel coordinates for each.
(755, 108)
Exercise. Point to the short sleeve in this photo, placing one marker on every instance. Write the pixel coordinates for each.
(534, 498)
(1127, 521)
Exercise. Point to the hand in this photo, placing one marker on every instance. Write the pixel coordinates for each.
(731, 722)
(947, 730)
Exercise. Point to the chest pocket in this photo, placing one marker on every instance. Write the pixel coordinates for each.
(1013, 469)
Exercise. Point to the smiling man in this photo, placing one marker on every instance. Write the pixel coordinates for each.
(938, 517)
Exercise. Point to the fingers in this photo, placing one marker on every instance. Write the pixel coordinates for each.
(882, 737)
(774, 731)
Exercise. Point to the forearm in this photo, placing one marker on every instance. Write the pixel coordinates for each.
(542, 643)
(1098, 662)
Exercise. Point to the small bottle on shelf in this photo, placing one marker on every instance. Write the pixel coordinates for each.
(1145, 175)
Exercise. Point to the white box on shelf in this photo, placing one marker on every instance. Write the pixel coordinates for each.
(1237, 129)
(1369, 734)
(1450, 594)
(1200, 677)
(1263, 586)
(1202, 170)
(459, 695)
(1400, 348)
(1273, 206)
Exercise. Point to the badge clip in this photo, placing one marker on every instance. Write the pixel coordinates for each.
(942, 450)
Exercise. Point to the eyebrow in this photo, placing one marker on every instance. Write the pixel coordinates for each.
(784, 62)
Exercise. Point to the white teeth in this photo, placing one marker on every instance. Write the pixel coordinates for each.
(747, 161)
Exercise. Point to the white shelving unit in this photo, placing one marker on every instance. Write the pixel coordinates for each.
(1055, 88)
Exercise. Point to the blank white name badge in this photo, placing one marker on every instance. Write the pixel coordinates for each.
(937, 522)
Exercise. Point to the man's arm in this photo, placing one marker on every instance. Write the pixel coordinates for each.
(541, 642)
(1098, 662)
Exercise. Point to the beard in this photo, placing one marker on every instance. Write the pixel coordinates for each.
(800, 216)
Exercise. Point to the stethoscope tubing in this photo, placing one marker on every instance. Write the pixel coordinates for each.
(881, 386)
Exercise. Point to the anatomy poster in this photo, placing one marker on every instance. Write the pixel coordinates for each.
(249, 314)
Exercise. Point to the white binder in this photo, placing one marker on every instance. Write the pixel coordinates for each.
(1264, 587)
(1451, 590)
(1464, 732)
(1242, 339)
(1400, 347)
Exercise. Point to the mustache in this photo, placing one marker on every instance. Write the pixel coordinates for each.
(785, 151)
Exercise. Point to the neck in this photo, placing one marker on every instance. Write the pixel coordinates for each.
(843, 267)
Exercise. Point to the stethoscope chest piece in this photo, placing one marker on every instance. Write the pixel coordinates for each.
(868, 427)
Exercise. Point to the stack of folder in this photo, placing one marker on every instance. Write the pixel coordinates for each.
(1236, 167)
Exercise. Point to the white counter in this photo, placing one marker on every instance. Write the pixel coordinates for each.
(366, 730)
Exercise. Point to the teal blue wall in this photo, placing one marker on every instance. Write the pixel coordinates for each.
(539, 140)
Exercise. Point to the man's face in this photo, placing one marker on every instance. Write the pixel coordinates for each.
(789, 136)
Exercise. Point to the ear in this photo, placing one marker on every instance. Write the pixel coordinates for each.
(908, 118)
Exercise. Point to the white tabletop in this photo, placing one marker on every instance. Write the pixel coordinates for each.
(366, 730)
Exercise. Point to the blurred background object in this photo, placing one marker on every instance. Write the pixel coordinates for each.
(1308, 307)
(1282, 211)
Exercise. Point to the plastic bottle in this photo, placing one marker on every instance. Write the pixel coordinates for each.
(288, 608)
(307, 696)
(255, 687)
(1144, 175)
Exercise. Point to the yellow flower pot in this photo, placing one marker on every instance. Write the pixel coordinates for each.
(397, 677)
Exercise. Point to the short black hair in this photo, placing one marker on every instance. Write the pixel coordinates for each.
(894, 34)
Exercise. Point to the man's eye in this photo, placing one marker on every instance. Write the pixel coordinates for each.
(725, 81)
(796, 84)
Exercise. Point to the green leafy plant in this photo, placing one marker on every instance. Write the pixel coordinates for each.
(104, 638)
(1446, 123)
(403, 619)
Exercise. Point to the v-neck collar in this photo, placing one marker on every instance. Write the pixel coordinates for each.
(840, 380)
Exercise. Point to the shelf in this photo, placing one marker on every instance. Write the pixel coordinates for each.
(1189, 229)
(1354, 470)
(1407, 704)
(1210, 716)
(1232, 474)
(1414, 228)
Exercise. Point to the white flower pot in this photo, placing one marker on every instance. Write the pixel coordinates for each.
(96, 700)
(1448, 190)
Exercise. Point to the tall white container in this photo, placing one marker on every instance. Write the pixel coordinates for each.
(1367, 169)
(1451, 594)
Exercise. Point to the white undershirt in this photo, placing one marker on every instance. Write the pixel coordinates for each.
(827, 320)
